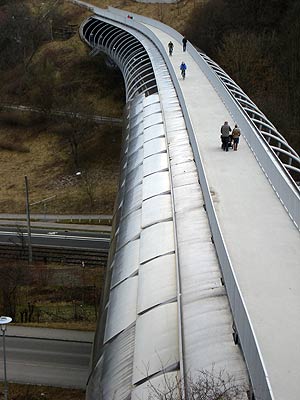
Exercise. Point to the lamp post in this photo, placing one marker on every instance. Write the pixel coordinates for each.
(3, 322)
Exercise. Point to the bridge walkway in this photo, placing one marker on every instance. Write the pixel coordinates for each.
(261, 239)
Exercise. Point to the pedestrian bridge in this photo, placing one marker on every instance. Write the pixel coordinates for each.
(204, 270)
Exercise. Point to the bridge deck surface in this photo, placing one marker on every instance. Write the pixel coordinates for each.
(262, 241)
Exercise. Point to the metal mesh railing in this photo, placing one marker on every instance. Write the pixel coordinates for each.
(286, 155)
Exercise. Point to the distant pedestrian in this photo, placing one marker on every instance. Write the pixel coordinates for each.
(171, 48)
(183, 68)
(184, 42)
(225, 133)
(236, 133)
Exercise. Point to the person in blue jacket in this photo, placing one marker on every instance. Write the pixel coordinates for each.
(183, 68)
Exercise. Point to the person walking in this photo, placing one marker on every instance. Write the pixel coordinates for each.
(225, 132)
(184, 42)
(183, 68)
(171, 48)
(236, 133)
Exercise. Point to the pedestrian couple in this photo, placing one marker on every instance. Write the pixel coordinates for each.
(227, 137)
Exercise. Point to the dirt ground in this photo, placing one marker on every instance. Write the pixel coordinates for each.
(30, 392)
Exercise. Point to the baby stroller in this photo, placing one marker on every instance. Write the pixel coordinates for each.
(230, 142)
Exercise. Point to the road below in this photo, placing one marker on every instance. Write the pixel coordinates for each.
(48, 361)
(65, 238)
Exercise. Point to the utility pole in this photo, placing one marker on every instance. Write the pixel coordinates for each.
(28, 222)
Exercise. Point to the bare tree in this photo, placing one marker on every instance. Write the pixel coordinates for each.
(89, 186)
(205, 385)
(41, 82)
(12, 276)
(78, 123)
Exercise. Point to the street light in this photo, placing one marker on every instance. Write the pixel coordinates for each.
(3, 322)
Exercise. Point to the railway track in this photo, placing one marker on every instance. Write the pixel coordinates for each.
(64, 255)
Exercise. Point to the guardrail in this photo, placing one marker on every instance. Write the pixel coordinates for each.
(99, 119)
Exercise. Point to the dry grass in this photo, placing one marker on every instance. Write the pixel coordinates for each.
(49, 167)
(30, 392)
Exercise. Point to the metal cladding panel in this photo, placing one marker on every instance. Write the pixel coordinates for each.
(136, 120)
(153, 119)
(130, 228)
(187, 178)
(135, 144)
(156, 163)
(116, 379)
(126, 262)
(157, 240)
(188, 198)
(208, 337)
(206, 314)
(152, 109)
(168, 382)
(156, 209)
(133, 178)
(179, 157)
(136, 131)
(179, 142)
(156, 345)
(154, 98)
(157, 282)
(136, 107)
(155, 146)
(153, 132)
(183, 168)
(132, 201)
(135, 159)
(121, 308)
(156, 184)
(179, 154)
(172, 108)
(176, 124)
(175, 136)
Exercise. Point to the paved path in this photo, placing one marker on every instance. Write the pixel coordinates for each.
(263, 243)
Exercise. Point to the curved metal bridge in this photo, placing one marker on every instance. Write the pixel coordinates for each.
(203, 271)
